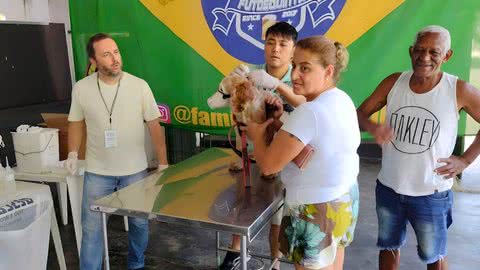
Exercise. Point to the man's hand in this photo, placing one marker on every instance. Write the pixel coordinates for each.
(453, 165)
(72, 162)
(382, 134)
(276, 102)
(262, 79)
(162, 167)
(240, 70)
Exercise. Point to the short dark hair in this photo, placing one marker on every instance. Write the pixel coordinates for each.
(95, 38)
(283, 29)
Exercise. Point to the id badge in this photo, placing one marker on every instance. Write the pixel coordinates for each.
(110, 138)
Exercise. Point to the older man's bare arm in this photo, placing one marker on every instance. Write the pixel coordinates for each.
(468, 99)
(375, 102)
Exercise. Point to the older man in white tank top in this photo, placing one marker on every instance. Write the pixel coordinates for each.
(417, 142)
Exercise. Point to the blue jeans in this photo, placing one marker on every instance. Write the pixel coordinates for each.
(430, 217)
(92, 250)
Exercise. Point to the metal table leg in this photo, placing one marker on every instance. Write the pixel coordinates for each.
(243, 253)
(217, 257)
(75, 188)
(105, 241)
(57, 241)
(62, 197)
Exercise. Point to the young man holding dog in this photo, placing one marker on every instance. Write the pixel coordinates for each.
(273, 76)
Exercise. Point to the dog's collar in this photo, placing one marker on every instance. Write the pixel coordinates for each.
(224, 95)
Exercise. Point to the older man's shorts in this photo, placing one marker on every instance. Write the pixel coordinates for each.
(311, 233)
(430, 217)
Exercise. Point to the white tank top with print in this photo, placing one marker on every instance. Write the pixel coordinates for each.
(425, 127)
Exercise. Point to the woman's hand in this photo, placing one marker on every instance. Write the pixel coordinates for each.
(255, 131)
(275, 102)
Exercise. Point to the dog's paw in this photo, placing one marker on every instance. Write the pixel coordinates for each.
(236, 165)
(270, 176)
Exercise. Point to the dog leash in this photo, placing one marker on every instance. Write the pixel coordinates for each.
(234, 149)
(246, 161)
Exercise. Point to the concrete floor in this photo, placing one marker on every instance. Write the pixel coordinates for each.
(175, 247)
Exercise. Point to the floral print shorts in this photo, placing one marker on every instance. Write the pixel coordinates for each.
(311, 233)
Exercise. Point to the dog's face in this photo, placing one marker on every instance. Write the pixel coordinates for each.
(221, 98)
(246, 101)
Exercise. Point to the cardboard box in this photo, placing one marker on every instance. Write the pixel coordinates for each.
(36, 152)
(60, 121)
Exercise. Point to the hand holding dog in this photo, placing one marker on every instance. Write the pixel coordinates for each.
(262, 79)
(257, 131)
(276, 102)
(241, 70)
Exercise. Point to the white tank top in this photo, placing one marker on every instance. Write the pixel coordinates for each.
(425, 127)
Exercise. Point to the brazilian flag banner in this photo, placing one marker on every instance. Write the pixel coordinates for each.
(183, 48)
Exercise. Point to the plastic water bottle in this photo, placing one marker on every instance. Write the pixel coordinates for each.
(3, 185)
(11, 187)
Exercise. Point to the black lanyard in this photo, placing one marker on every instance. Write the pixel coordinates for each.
(105, 103)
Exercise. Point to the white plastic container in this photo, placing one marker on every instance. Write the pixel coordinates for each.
(36, 152)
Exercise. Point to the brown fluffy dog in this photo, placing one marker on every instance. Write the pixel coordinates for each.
(247, 102)
(248, 105)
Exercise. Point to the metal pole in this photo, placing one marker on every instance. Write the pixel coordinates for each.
(105, 241)
(243, 253)
(217, 235)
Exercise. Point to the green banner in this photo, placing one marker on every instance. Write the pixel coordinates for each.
(183, 48)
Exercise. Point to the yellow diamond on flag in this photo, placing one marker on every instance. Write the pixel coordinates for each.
(243, 18)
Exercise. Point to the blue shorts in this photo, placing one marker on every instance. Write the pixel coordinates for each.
(430, 217)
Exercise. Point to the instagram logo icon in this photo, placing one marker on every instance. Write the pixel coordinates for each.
(164, 113)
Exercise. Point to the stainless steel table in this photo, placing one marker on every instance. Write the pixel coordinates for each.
(199, 192)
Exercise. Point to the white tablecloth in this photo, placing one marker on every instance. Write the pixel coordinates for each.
(25, 223)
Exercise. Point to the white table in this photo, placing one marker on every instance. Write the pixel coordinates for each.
(30, 195)
(65, 182)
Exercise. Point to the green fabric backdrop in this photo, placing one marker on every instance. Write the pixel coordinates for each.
(179, 75)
